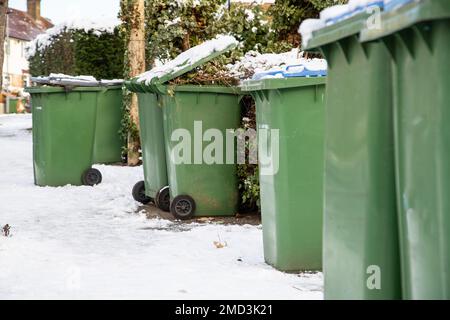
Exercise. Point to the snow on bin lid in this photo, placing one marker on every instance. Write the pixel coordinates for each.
(335, 14)
(59, 79)
(189, 60)
(307, 68)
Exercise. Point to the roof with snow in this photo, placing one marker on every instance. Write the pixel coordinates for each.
(22, 26)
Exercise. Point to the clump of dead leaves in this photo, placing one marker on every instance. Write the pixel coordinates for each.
(6, 230)
(220, 244)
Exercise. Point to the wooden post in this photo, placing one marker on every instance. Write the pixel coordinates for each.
(136, 59)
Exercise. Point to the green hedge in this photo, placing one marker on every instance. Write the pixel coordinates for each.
(77, 52)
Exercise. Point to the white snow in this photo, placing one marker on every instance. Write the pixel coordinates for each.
(92, 243)
(332, 15)
(175, 21)
(189, 57)
(65, 76)
(334, 12)
(254, 1)
(308, 27)
(98, 26)
(64, 79)
(361, 4)
(254, 63)
(249, 15)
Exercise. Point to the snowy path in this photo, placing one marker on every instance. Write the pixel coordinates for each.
(89, 243)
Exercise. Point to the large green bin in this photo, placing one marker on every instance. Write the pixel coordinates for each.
(63, 135)
(418, 37)
(292, 194)
(361, 254)
(196, 187)
(108, 145)
(155, 185)
(12, 105)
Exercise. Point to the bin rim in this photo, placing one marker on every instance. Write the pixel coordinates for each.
(407, 16)
(133, 86)
(53, 89)
(335, 32)
(281, 83)
(204, 88)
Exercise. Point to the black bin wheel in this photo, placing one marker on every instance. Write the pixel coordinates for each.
(139, 193)
(92, 177)
(163, 199)
(183, 207)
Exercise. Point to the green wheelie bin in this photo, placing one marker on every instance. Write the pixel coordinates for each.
(108, 146)
(197, 119)
(154, 187)
(63, 135)
(361, 245)
(12, 105)
(292, 193)
(199, 187)
(417, 35)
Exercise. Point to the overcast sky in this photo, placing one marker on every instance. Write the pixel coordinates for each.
(61, 10)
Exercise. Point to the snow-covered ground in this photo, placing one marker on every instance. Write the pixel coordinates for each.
(92, 243)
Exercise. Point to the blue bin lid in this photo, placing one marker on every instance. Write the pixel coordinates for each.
(303, 71)
(292, 71)
(268, 74)
(390, 5)
(359, 8)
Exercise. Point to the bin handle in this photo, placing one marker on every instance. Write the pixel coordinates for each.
(68, 89)
(253, 86)
(296, 65)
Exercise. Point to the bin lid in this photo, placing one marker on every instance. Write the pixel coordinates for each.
(337, 23)
(154, 80)
(75, 81)
(281, 83)
(133, 86)
(390, 5)
(308, 68)
(61, 89)
(404, 14)
(206, 88)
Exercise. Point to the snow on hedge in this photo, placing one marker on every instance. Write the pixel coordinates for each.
(97, 26)
(189, 58)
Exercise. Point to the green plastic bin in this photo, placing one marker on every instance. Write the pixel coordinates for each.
(198, 188)
(108, 147)
(63, 135)
(155, 185)
(292, 197)
(361, 249)
(418, 38)
(12, 105)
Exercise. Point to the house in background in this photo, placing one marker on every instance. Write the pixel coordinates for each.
(22, 27)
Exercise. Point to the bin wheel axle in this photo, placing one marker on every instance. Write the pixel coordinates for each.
(183, 207)
(139, 193)
(163, 199)
(92, 177)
